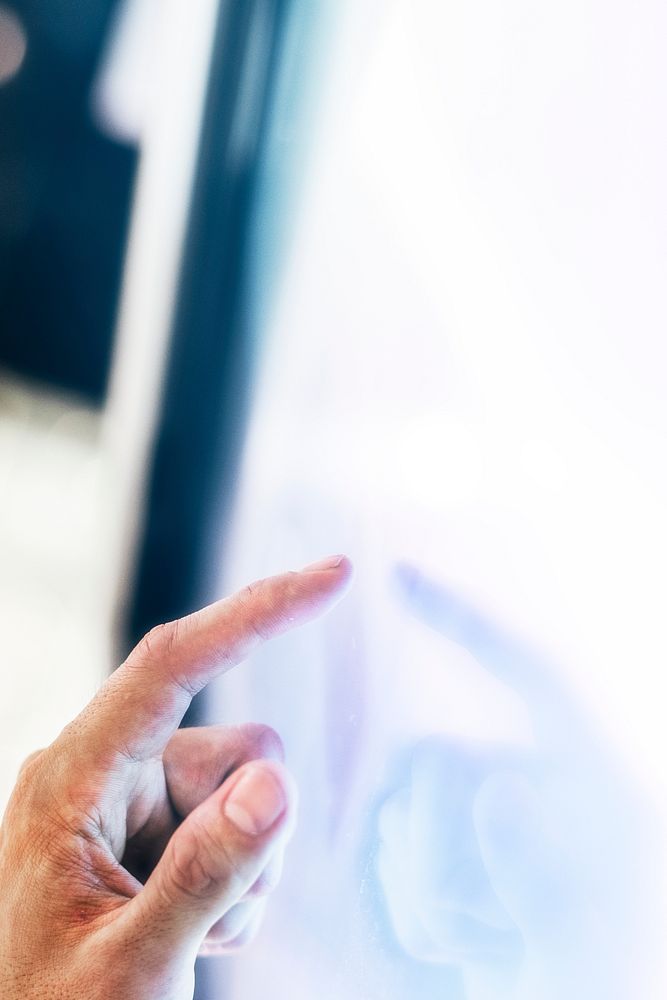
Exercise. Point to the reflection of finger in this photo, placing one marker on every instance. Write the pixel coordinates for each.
(197, 761)
(393, 818)
(448, 870)
(444, 779)
(214, 858)
(507, 659)
(528, 872)
(429, 930)
(395, 874)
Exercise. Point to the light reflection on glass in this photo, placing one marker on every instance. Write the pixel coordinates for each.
(464, 374)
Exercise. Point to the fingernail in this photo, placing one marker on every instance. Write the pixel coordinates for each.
(331, 562)
(256, 801)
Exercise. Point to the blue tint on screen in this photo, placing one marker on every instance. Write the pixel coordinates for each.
(462, 387)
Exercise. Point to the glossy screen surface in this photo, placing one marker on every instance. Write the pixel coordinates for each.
(462, 386)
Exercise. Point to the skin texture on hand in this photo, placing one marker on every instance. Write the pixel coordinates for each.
(130, 846)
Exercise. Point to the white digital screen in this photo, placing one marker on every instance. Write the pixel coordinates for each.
(462, 387)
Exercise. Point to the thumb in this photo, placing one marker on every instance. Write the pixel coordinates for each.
(214, 858)
(524, 865)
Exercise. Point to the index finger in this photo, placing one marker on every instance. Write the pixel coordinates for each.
(141, 705)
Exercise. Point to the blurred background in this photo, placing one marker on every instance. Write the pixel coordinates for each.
(65, 192)
(122, 399)
(279, 278)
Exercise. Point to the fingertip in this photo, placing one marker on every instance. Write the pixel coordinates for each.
(345, 568)
(343, 575)
(326, 563)
(261, 800)
(323, 584)
(338, 567)
(258, 741)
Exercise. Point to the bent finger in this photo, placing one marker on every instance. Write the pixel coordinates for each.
(215, 857)
(248, 921)
(198, 760)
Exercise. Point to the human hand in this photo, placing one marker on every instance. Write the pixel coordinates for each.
(128, 846)
(529, 869)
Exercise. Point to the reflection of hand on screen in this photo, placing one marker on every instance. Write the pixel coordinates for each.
(523, 868)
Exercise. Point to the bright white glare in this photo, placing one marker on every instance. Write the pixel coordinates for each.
(182, 36)
(13, 44)
(466, 370)
(129, 77)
